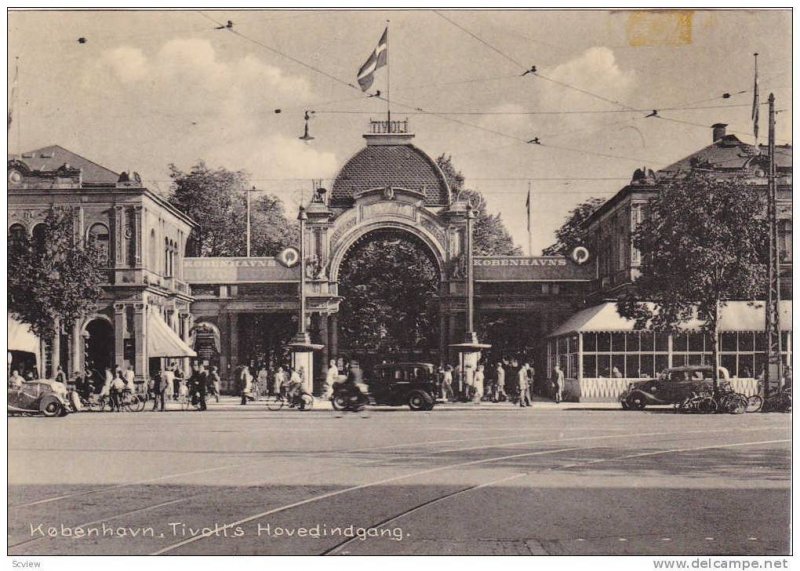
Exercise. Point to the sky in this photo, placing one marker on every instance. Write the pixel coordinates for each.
(147, 89)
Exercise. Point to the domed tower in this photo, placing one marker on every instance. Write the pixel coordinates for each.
(390, 160)
(388, 185)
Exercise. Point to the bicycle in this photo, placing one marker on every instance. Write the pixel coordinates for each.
(303, 401)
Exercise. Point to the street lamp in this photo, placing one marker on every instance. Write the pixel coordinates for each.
(301, 347)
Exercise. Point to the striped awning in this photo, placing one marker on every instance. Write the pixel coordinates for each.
(162, 341)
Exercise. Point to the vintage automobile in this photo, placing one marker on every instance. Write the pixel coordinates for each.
(38, 397)
(397, 384)
(672, 386)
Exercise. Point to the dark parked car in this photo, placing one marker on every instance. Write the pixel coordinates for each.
(673, 386)
(414, 384)
(38, 397)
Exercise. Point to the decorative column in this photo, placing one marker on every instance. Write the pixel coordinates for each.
(233, 321)
(77, 343)
(119, 236)
(184, 327)
(470, 350)
(119, 333)
(137, 236)
(301, 347)
(333, 336)
(140, 335)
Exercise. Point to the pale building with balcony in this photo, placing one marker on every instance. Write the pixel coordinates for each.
(143, 316)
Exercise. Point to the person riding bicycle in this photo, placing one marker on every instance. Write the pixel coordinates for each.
(115, 391)
(351, 386)
(295, 386)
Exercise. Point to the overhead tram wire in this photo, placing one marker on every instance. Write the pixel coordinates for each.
(419, 109)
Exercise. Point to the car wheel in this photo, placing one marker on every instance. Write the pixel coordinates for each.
(625, 405)
(418, 400)
(636, 402)
(754, 403)
(50, 407)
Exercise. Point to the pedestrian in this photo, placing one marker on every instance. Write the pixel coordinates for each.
(246, 384)
(559, 382)
(331, 378)
(115, 391)
(279, 381)
(159, 388)
(198, 385)
(615, 373)
(261, 383)
(74, 381)
(522, 386)
(213, 383)
(60, 376)
(178, 383)
(500, 383)
(447, 384)
(477, 385)
(458, 378)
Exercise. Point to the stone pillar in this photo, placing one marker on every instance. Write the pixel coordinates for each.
(119, 333)
(119, 236)
(56, 348)
(333, 337)
(184, 327)
(137, 236)
(305, 359)
(233, 320)
(442, 339)
(323, 337)
(77, 343)
(140, 336)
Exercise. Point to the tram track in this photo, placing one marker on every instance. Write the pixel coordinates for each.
(428, 471)
(338, 548)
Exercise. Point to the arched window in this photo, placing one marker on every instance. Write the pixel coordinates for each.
(166, 257)
(39, 236)
(17, 235)
(98, 238)
(153, 252)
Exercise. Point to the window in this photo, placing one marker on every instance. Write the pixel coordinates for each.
(153, 251)
(98, 238)
(166, 256)
(17, 235)
(785, 240)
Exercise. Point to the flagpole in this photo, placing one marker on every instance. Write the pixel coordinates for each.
(388, 82)
(756, 102)
(530, 239)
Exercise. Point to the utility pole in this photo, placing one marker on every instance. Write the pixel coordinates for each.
(248, 220)
(773, 325)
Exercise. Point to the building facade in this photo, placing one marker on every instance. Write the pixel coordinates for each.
(144, 314)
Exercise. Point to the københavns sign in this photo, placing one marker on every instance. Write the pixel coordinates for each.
(518, 268)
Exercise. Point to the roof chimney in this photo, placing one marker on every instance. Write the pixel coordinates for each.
(718, 131)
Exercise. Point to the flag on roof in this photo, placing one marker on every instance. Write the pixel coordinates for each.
(376, 60)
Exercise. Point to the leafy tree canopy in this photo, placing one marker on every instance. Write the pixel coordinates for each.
(573, 233)
(490, 235)
(216, 199)
(390, 289)
(704, 242)
(53, 278)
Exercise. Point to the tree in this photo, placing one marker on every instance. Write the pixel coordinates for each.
(390, 289)
(216, 199)
(573, 232)
(54, 279)
(702, 244)
(490, 235)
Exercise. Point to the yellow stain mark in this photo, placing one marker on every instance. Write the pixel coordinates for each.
(660, 28)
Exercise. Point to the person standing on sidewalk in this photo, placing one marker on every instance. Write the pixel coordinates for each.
(447, 384)
(559, 382)
(500, 383)
(522, 386)
(213, 383)
(477, 385)
(160, 388)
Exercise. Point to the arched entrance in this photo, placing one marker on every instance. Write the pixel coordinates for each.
(389, 280)
(99, 344)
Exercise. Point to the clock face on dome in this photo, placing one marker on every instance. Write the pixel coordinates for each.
(14, 176)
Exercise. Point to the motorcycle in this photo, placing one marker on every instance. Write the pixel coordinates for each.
(349, 398)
